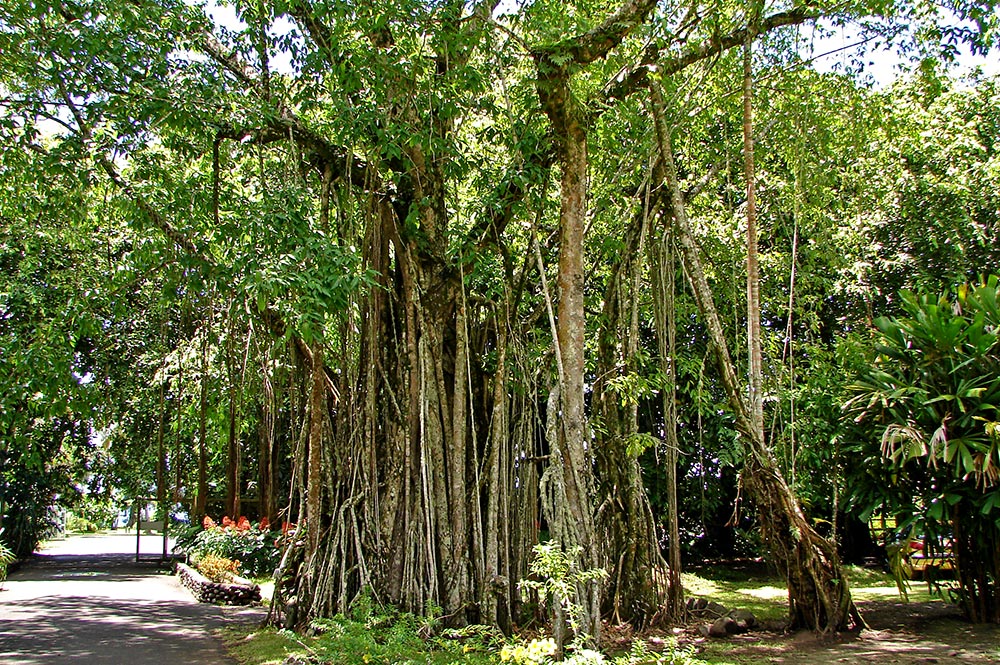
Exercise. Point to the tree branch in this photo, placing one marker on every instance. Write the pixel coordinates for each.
(241, 69)
(632, 78)
(595, 44)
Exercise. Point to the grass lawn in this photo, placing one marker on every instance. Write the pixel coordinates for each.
(757, 589)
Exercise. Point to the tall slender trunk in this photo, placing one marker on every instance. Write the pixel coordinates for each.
(753, 270)
(266, 462)
(161, 453)
(232, 457)
(201, 499)
(233, 471)
(178, 453)
(819, 596)
(666, 320)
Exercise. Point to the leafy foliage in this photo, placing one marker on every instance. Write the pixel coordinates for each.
(6, 558)
(217, 568)
(253, 546)
(557, 575)
(934, 391)
(374, 633)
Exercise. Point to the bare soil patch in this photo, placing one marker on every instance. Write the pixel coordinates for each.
(899, 633)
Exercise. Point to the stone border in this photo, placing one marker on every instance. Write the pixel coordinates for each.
(239, 592)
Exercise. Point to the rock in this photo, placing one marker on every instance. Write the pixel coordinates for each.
(722, 627)
(745, 620)
(705, 608)
(696, 604)
(716, 609)
(207, 591)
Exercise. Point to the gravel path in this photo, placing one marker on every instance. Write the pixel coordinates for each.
(85, 600)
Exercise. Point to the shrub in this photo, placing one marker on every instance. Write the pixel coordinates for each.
(255, 546)
(926, 420)
(217, 568)
(98, 512)
(6, 558)
(80, 525)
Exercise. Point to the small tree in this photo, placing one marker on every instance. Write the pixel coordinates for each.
(561, 582)
(933, 398)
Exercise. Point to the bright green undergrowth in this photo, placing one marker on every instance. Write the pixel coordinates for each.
(402, 639)
(375, 635)
(370, 635)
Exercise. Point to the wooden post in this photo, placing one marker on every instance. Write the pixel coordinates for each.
(138, 528)
(166, 530)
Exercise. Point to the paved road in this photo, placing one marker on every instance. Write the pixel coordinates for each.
(85, 600)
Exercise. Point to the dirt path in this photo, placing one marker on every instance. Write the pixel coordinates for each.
(85, 600)
(900, 634)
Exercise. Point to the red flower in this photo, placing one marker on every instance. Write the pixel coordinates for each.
(286, 527)
(243, 524)
(264, 524)
(208, 523)
(226, 522)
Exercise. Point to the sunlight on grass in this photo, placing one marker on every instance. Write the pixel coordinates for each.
(698, 586)
(262, 646)
(766, 592)
(766, 596)
(875, 592)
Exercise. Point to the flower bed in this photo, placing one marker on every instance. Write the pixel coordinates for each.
(236, 592)
(254, 545)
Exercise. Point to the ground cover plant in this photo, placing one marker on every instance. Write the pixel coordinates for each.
(378, 635)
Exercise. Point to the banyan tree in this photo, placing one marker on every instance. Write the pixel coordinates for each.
(396, 202)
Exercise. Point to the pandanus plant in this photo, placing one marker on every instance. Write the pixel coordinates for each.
(931, 403)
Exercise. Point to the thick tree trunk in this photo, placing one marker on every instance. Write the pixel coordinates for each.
(496, 524)
(573, 521)
(576, 521)
(314, 479)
